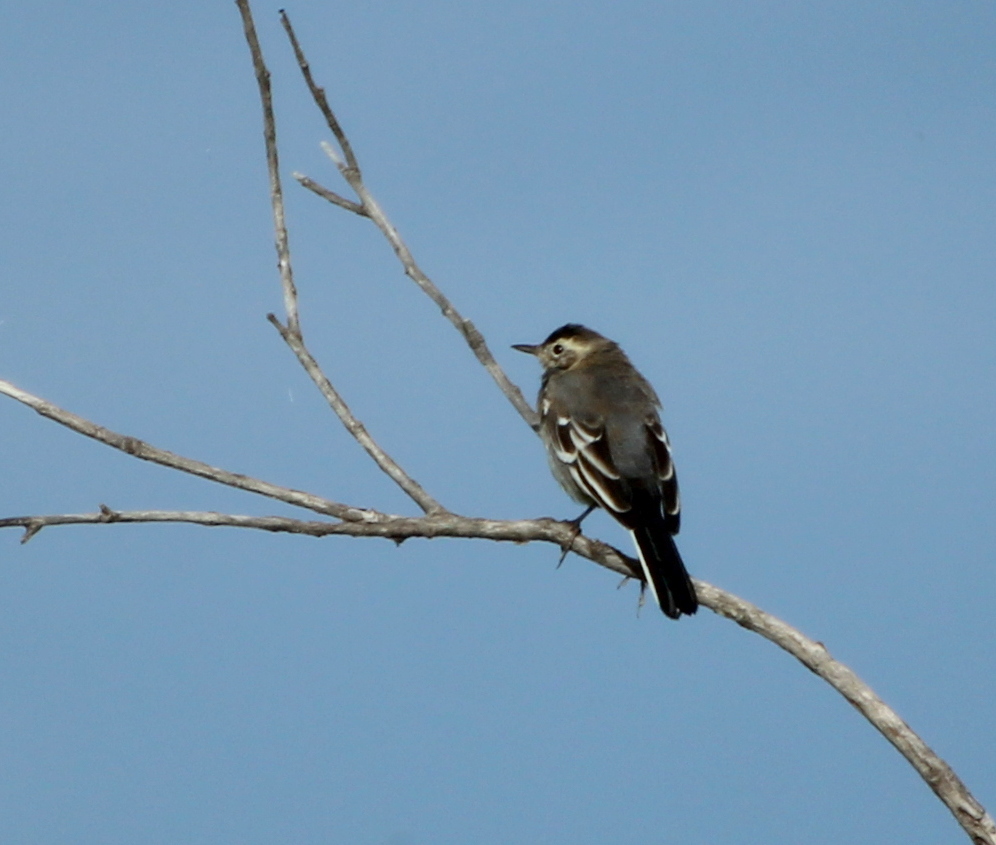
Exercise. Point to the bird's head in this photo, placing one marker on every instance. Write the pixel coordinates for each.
(566, 347)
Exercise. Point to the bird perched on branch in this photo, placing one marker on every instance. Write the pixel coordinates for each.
(608, 449)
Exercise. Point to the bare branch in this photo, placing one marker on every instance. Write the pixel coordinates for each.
(291, 333)
(147, 452)
(473, 337)
(353, 425)
(33, 524)
(350, 171)
(273, 166)
(940, 777)
(318, 94)
(331, 196)
(388, 526)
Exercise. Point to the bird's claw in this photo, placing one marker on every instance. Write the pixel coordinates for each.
(575, 533)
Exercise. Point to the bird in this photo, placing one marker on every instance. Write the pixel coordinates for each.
(607, 448)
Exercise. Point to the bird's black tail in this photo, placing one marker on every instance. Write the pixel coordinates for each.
(662, 565)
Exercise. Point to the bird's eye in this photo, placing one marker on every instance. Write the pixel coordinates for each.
(558, 348)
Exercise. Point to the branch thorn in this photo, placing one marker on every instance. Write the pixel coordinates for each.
(31, 529)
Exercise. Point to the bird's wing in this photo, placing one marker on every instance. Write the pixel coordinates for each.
(582, 447)
(665, 473)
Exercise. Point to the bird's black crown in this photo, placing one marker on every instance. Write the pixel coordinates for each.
(571, 331)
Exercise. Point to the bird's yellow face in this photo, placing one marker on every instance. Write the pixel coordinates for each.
(566, 347)
(563, 353)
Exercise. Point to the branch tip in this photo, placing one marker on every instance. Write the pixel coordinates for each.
(333, 154)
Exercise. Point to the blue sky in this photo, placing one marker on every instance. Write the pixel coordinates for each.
(784, 212)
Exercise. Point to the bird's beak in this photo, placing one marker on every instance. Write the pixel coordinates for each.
(528, 348)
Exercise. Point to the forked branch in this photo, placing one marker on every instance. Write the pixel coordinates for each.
(292, 333)
(348, 166)
(147, 452)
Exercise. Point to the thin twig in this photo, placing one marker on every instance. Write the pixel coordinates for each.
(473, 337)
(273, 167)
(291, 333)
(147, 452)
(331, 196)
(353, 425)
(318, 94)
(350, 170)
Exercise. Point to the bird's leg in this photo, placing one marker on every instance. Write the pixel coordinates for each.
(576, 525)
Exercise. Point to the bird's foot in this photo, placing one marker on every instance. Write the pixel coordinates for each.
(575, 532)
